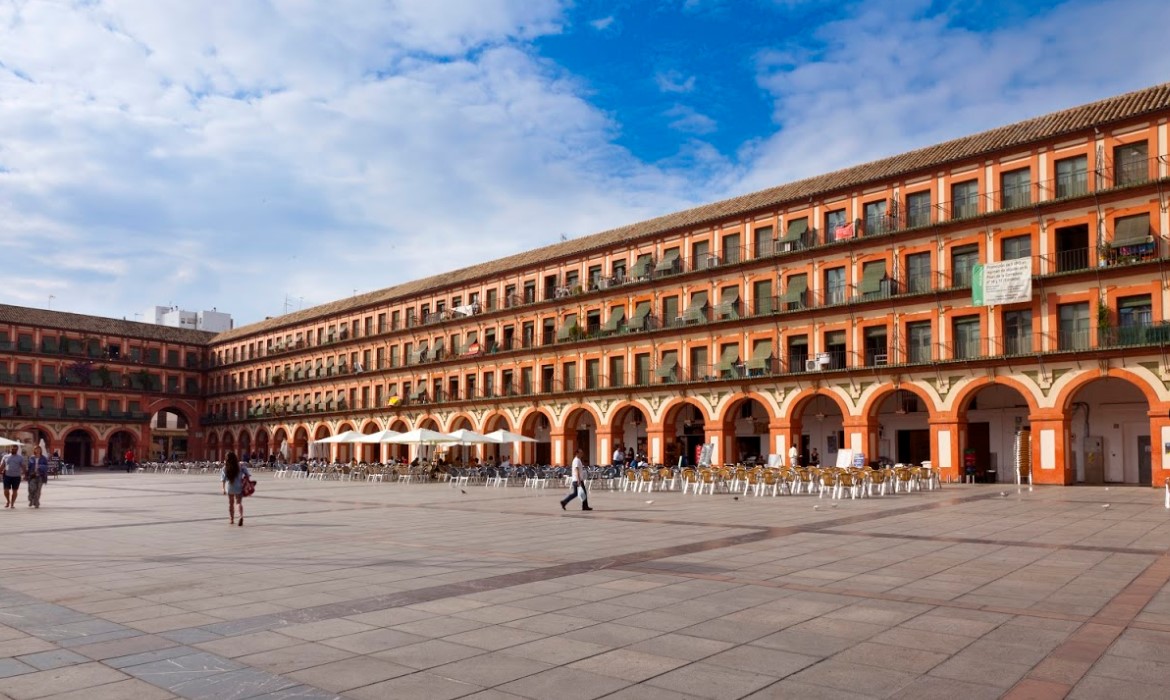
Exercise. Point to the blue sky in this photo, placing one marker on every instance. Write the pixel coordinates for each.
(239, 155)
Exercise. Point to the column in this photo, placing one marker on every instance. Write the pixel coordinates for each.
(1050, 453)
(946, 446)
(655, 443)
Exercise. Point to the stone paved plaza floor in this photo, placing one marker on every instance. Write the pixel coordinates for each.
(135, 586)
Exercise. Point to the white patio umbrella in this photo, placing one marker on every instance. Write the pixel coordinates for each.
(507, 437)
(379, 437)
(502, 436)
(284, 450)
(422, 436)
(468, 437)
(5, 442)
(344, 436)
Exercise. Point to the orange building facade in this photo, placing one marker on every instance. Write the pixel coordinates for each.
(94, 388)
(833, 313)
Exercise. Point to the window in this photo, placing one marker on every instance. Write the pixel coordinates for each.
(762, 297)
(965, 332)
(835, 285)
(490, 299)
(833, 221)
(963, 261)
(919, 343)
(1073, 326)
(835, 346)
(1017, 332)
(1072, 176)
(964, 199)
(1130, 164)
(617, 371)
(1015, 248)
(1135, 314)
(701, 257)
(592, 374)
(797, 352)
(918, 273)
(918, 209)
(730, 248)
(876, 346)
(1015, 188)
(764, 241)
(876, 220)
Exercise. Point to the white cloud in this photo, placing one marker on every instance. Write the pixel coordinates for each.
(230, 154)
(686, 119)
(892, 77)
(602, 23)
(674, 81)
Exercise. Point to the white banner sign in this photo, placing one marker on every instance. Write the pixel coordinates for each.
(1006, 282)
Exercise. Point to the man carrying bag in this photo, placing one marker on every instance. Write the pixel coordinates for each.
(578, 476)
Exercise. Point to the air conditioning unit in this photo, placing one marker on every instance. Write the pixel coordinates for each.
(812, 366)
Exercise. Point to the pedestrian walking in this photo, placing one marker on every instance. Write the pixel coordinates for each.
(578, 476)
(14, 465)
(38, 474)
(232, 481)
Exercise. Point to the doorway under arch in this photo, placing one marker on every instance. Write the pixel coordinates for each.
(79, 448)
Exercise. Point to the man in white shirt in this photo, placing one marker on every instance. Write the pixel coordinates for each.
(578, 476)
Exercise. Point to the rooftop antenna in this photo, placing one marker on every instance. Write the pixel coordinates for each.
(51, 298)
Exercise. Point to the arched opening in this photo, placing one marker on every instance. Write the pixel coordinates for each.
(229, 443)
(745, 431)
(370, 452)
(262, 447)
(79, 448)
(493, 452)
(399, 452)
(685, 433)
(581, 434)
(300, 447)
(117, 447)
(628, 431)
(168, 434)
(822, 425)
(993, 414)
(318, 451)
(538, 426)
(213, 452)
(903, 428)
(280, 444)
(462, 454)
(1109, 433)
(344, 451)
(245, 446)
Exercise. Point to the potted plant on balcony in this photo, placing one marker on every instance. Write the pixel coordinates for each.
(1105, 334)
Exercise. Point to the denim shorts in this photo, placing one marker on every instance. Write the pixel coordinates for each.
(11, 482)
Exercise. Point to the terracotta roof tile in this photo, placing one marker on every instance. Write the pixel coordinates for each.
(64, 321)
(1114, 109)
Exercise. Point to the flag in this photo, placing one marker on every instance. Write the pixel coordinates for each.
(843, 232)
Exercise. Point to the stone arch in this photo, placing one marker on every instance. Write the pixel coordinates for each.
(460, 420)
(299, 449)
(1064, 397)
(877, 396)
(538, 424)
(628, 426)
(261, 443)
(744, 428)
(827, 432)
(398, 452)
(1118, 449)
(118, 442)
(580, 428)
(213, 448)
(686, 426)
(987, 413)
(79, 445)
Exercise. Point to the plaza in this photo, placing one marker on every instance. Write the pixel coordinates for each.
(135, 586)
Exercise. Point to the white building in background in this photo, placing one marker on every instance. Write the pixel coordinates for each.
(213, 321)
